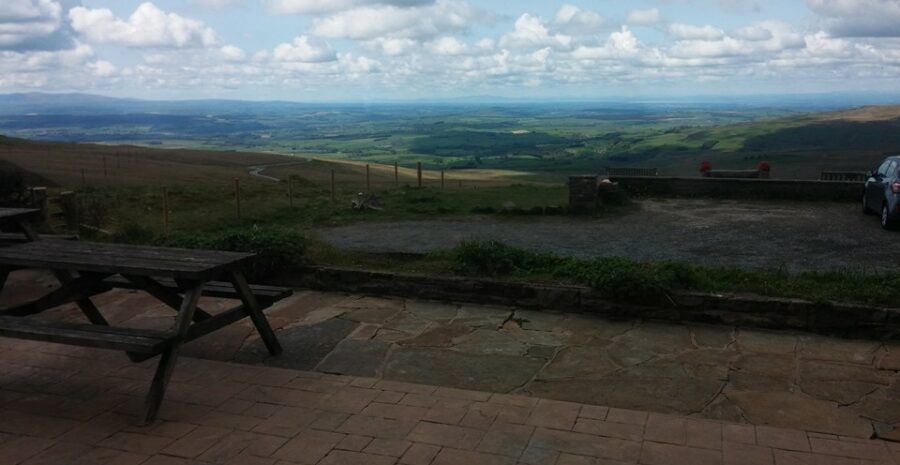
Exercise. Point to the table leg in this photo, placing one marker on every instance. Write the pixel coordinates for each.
(172, 299)
(86, 305)
(28, 231)
(64, 277)
(4, 275)
(170, 355)
(259, 319)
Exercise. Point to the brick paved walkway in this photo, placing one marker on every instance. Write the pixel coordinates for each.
(65, 405)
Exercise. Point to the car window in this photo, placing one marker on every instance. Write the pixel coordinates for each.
(891, 169)
(883, 169)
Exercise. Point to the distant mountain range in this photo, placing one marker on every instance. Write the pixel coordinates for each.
(77, 103)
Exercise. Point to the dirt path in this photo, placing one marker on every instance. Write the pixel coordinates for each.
(256, 171)
(798, 236)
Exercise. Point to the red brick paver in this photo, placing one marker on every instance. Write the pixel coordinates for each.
(266, 416)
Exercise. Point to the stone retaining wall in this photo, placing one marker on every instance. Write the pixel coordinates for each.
(770, 189)
(743, 311)
(582, 192)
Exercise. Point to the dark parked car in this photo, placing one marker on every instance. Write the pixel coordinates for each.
(882, 192)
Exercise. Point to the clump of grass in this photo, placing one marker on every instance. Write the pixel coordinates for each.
(494, 258)
(277, 250)
(630, 280)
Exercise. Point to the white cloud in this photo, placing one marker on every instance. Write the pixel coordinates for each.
(530, 32)
(232, 53)
(218, 4)
(305, 50)
(390, 46)
(621, 44)
(148, 26)
(573, 20)
(859, 18)
(447, 46)
(315, 7)
(782, 37)
(383, 21)
(417, 48)
(358, 65)
(102, 68)
(644, 17)
(752, 33)
(680, 31)
(22, 21)
(74, 68)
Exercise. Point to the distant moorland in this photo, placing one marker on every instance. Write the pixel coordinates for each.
(553, 139)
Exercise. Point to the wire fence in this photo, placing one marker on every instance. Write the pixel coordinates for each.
(113, 192)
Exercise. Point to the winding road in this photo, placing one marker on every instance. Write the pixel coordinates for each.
(256, 171)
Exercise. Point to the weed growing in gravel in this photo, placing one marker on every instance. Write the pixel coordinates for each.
(630, 280)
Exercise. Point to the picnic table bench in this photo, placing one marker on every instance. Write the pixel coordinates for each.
(18, 220)
(176, 277)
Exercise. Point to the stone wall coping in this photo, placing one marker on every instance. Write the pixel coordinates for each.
(739, 180)
(743, 310)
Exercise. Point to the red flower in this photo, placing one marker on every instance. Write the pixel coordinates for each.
(705, 166)
(764, 166)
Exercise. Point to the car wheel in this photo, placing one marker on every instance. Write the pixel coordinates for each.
(886, 221)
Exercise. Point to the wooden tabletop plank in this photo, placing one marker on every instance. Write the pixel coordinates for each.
(11, 215)
(194, 256)
(125, 259)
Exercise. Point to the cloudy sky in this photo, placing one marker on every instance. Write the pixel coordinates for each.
(388, 49)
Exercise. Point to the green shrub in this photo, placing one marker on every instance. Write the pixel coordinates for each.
(617, 277)
(276, 250)
(495, 258)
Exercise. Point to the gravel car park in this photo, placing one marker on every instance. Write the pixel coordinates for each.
(798, 236)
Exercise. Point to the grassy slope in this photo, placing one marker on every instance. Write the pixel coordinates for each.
(64, 164)
(797, 146)
(202, 196)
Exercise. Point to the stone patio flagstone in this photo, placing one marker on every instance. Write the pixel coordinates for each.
(828, 386)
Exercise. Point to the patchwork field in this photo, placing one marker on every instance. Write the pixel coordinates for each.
(548, 139)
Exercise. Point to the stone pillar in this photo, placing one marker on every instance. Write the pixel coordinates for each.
(41, 201)
(582, 192)
(68, 204)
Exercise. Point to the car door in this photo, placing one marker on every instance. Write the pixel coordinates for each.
(875, 185)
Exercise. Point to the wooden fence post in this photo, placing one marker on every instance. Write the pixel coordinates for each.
(442, 179)
(333, 199)
(396, 175)
(419, 172)
(41, 201)
(68, 203)
(237, 196)
(368, 180)
(166, 226)
(105, 173)
(83, 179)
(460, 183)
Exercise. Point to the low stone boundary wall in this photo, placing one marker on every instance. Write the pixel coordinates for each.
(768, 189)
(745, 311)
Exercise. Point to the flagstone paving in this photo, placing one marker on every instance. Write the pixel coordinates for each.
(65, 405)
(831, 386)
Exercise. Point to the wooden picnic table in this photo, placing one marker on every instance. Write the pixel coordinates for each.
(176, 277)
(19, 219)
